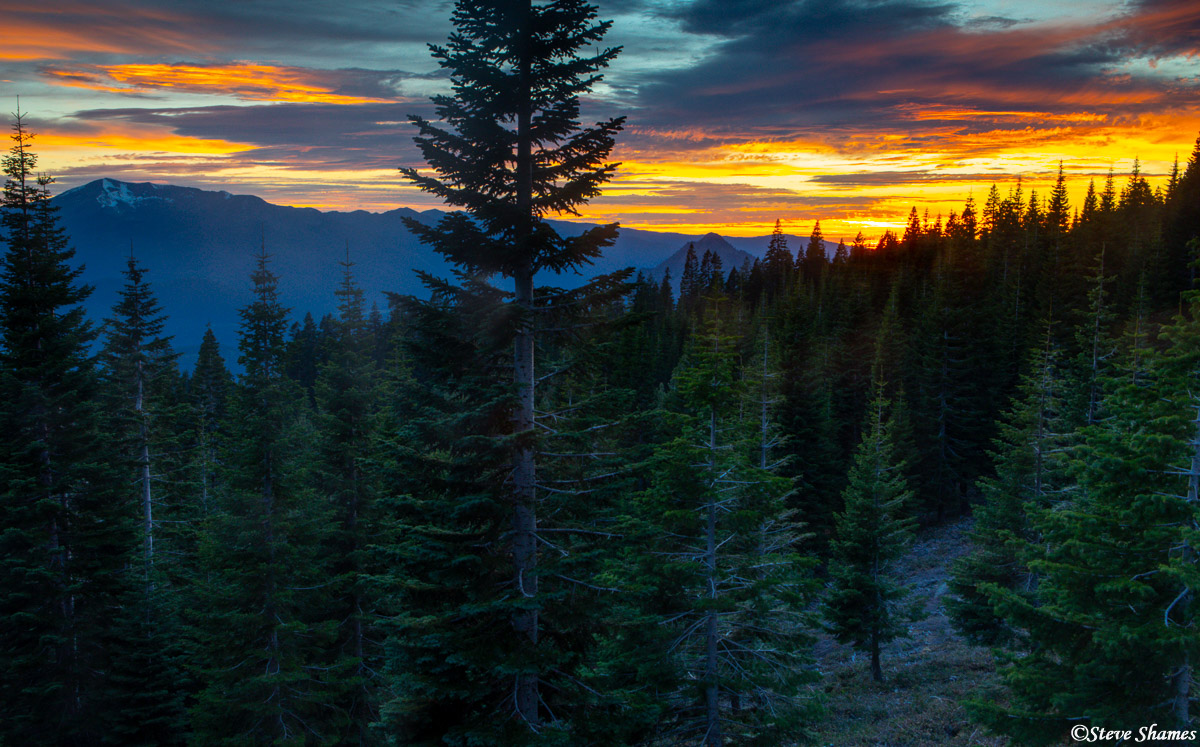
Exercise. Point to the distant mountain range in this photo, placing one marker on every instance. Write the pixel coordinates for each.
(199, 248)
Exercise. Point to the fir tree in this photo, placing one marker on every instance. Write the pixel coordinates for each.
(814, 253)
(210, 388)
(1030, 476)
(1058, 212)
(778, 266)
(347, 391)
(858, 249)
(1108, 197)
(912, 232)
(715, 274)
(139, 367)
(842, 254)
(1109, 632)
(1091, 204)
(706, 271)
(728, 589)
(148, 424)
(262, 572)
(511, 151)
(690, 280)
(68, 530)
(1095, 346)
(872, 532)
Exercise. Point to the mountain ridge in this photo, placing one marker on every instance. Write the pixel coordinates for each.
(199, 247)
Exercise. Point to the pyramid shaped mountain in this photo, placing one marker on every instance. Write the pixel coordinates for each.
(731, 256)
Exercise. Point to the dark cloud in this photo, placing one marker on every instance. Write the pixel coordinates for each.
(837, 67)
(263, 28)
(793, 24)
(1160, 28)
(994, 22)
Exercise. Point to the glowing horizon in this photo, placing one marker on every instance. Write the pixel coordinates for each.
(735, 120)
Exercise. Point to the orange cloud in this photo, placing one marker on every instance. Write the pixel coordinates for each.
(40, 33)
(245, 80)
(58, 144)
(947, 113)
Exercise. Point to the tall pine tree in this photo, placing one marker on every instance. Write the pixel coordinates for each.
(510, 152)
(262, 570)
(873, 529)
(67, 528)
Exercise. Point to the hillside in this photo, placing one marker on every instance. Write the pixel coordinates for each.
(927, 674)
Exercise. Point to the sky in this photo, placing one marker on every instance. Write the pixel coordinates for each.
(740, 112)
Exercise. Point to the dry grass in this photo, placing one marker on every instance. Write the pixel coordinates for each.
(927, 675)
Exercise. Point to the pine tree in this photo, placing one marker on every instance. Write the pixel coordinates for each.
(443, 460)
(68, 531)
(210, 388)
(262, 571)
(805, 414)
(872, 532)
(1108, 197)
(1181, 226)
(814, 253)
(912, 232)
(690, 280)
(990, 214)
(1058, 212)
(511, 151)
(778, 266)
(944, 413)
(1095, 346)
(842, 255)
(705, 274)
(1110, 631)
(303, 355)
(148, 422)
(347, 390)
(726, 589)
(139, 370)
(715, 274)
(1030, 476)
(858, 249)
(1091, 204)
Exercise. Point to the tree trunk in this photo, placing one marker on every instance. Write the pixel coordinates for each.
(712, 693)
(270, 613)
(144, 463)
(876, 670)
(1094, 374)
(764, 401)
(1183, 686)
(525, 619)
(1183, 677)
(712, 705)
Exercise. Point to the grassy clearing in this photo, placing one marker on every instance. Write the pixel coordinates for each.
(927, 675)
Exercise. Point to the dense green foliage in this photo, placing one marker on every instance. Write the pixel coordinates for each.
(67, 529)
(508, 514)
(864, 604)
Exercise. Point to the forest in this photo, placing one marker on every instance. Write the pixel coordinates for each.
(509, 514)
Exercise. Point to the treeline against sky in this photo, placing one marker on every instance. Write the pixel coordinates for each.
(319, 549)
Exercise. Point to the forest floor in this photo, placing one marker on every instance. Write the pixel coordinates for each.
(927, 674)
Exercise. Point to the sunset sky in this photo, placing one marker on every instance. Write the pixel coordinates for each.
(739, 111)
